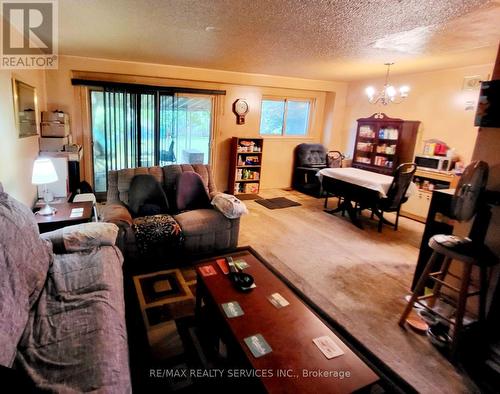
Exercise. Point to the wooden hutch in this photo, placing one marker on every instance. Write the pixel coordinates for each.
(382, 143)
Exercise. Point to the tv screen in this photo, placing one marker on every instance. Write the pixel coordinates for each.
(488, 106)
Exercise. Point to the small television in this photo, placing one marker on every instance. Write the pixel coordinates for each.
(488, 106)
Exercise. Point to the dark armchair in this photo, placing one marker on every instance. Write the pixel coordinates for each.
(309, 159)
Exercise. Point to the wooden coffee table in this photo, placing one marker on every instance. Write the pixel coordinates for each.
(289, 331)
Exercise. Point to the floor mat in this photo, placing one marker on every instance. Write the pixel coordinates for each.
(277, 203)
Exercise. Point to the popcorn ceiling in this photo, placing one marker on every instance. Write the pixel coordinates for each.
(287, 37)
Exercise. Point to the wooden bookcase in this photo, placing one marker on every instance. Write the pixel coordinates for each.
(382, 143)
(245, 167)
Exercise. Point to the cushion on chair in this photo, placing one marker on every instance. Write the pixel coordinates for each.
(190, 192)
(230, 206)
(146, 196)
(24, 262)
(150, 231)
(310, 155)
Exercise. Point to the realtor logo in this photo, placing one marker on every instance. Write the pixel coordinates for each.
(29, 34)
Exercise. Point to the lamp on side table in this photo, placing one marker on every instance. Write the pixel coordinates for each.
(43, 174)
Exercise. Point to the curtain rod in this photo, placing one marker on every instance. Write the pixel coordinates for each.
(141, 87)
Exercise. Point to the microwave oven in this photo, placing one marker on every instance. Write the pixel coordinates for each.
(438, 163)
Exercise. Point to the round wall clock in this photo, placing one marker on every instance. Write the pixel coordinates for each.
(240, 108)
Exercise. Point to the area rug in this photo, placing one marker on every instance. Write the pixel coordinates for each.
(277, 203)
(164, 298)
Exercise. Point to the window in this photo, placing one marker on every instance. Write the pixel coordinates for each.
(285, 117)
(147, 128)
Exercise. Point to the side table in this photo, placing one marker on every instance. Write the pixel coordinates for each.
(62, 217)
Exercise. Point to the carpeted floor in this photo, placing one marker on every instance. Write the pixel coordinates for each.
(359, 277)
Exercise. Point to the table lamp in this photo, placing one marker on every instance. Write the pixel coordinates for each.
(44, 172)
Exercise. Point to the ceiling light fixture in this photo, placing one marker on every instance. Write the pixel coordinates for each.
(388, 94)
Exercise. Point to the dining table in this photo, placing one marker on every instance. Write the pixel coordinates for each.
(357, 189)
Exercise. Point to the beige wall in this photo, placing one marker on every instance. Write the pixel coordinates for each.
(277, 159)
(17, 154)
(436, 99)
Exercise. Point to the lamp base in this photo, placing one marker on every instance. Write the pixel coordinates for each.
(47, 210)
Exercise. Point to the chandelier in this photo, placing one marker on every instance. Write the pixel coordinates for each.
(388, 94)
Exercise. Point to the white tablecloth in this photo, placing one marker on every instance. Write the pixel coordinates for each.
(368, 179)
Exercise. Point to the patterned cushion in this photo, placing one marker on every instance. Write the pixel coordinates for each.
(151, 231)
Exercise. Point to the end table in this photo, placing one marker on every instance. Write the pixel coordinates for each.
(62, 217)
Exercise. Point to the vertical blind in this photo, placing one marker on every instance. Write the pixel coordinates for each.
(146, 128)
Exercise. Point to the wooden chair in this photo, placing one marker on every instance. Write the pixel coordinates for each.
(334, 159)
(396, 195)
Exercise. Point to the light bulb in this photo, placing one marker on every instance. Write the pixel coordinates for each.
(370, 92)
(391, 92)
(404, 90)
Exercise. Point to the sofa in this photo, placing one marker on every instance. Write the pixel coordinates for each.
(205, 230)
(62, 312)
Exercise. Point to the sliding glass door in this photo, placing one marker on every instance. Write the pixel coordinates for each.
(142, 129)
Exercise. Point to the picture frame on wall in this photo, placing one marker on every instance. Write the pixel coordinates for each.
(25, 108)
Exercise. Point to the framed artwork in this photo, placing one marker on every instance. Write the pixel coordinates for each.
(25, 108)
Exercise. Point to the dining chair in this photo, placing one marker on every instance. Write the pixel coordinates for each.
(334, 159)
(396, 195)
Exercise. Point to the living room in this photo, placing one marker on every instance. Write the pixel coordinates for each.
(235, 72)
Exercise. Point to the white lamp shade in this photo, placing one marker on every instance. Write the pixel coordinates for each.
(43, 172)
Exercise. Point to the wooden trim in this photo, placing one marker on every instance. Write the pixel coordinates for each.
(141, 87)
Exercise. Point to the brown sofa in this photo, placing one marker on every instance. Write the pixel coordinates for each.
(62, 315)
(205, 230)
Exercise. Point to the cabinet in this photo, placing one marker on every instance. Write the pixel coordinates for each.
(382, 143)
(245, 167)
(417, 206)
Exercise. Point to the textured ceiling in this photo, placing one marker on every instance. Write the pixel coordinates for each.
(319, 39)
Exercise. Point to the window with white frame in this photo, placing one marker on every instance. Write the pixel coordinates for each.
(285, 117)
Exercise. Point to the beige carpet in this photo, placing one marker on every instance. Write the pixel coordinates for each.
(359, 277)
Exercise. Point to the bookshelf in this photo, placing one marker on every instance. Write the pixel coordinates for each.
(245, 167)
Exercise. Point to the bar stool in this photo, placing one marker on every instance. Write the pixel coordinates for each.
(469, 253)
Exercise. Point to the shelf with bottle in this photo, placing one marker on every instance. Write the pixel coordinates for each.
(382, 161)
(361, 159)
(249, 146)
(388, 133)
(243, 175)
(386, 149)
(364, 147)
(246, 188)
(366, 131)
(246, 160)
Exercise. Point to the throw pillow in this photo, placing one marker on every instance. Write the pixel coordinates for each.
(190, 192)
(89, 235)
(151, 231)
(229, 205)
(146, 196)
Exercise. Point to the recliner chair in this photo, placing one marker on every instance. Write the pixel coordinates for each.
(309, 159)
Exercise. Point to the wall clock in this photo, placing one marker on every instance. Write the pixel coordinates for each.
(240, 108)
